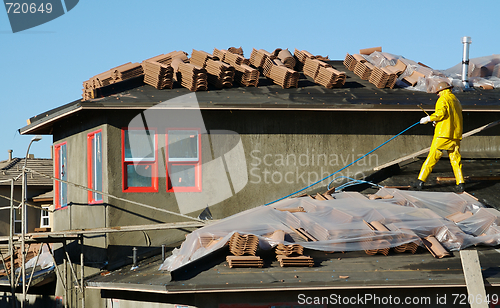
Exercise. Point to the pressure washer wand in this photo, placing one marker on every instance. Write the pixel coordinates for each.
(423, 109)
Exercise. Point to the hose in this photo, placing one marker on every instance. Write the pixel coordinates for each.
(355, 161)
(352, 182)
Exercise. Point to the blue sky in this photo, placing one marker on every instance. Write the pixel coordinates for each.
(44, 67)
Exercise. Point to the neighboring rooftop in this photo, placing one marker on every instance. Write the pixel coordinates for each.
(11, 168)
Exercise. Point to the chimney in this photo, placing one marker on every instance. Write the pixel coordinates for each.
(10, 155)
(466, 40)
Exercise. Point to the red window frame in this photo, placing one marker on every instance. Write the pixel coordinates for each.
(153, 164)
(195, 163)
(57, 172)
(90, 175)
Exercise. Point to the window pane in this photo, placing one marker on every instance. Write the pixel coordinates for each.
(139, 145)
(17, 227)
(182, 175)
(97, 166)
(139, 175)
(182, 145)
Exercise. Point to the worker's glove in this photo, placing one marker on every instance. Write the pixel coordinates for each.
(425, 120)
(434, 123)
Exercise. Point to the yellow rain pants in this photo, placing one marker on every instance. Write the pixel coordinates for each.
(438, 145)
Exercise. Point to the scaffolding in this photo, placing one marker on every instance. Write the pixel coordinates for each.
(26, 280)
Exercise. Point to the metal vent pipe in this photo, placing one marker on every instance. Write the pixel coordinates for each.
(466, 40)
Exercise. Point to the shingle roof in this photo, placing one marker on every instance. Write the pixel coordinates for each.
(11, 169)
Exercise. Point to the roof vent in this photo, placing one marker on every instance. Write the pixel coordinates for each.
(466, 40)
(10, 155)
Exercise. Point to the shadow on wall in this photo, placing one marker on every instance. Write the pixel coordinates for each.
(42, 297)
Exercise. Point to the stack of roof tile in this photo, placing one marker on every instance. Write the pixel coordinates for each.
(412, 247)
(246, 76)
(158, 75)
(235, 59)
(114, 75)
(301, 56)
(167, 58)
(330, 77)
(291, 255)
(31, 252)
(243, 244)
(311, 67)
(378, 246)
(350, 61)
(200, 57)
(287, 250)
(324, 74)
(258, 57)
(363, 70)
(189, 75)
(220, 54)
(295, 261)
(381, 77)
(127, 71)
(244, 261)
(243, 248)
(283, 76)
(220, 74)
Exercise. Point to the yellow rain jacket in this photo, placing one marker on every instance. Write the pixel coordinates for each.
(448, 116)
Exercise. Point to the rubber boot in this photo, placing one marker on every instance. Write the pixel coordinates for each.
(418, 185)
(460, 188)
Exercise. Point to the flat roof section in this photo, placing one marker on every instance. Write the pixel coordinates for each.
(396, 270)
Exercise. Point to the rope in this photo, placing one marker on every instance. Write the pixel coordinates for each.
(344, 166)
(115, 197)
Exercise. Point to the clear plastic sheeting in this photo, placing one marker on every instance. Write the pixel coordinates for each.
(484, 72)
(343, 224)
(44, 260)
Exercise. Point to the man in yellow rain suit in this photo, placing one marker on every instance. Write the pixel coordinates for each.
(447, 136)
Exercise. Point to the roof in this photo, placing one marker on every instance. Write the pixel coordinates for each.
(355, 95)
(45, 197)
(211, 273)
(11, 169)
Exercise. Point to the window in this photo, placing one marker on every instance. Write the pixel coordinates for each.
(60, 171)
(44, 218)
(17, 221)
(139, 160)
(183, 158)
(94, 165)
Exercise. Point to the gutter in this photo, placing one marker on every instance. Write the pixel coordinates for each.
(79, 106)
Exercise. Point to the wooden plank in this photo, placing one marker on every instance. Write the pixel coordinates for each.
(473, 278)
(414, 155)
